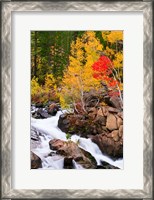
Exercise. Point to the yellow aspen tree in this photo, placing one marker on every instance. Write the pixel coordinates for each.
(113, 39)
(78, 78)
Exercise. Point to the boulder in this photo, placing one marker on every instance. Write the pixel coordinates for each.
(111, 122)
(105, 165)
(92, 123)
(104, 129)
(105, 110)
(121, 131)
(97, 120)
(92, 98)
(70, 150)
(108, 145)
(115, 135)
(63, 116)
(100, 120)
(92, 115)
(120, 114)
(64, 123)
(119, 121)
(74, 124)
(42, 114)
(36, 161)
(53, 108)
(34, 134)
(39, 105)
(68, 163)
(100, 112)
(116, 102)
(107, 100)
(113, 110)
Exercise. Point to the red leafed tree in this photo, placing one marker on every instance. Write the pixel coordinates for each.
(104, 70)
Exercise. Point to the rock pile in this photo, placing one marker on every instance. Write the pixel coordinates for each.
(102, 123)
(39, 111)
(71, 151)
(36, 161)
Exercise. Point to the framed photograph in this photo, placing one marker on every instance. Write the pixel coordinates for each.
(76, 100)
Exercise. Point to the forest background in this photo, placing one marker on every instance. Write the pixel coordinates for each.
(67, 64)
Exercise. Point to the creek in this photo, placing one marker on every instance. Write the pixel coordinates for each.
(47, 129)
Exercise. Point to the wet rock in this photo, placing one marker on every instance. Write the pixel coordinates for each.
(42, 114)
(39, 105)
(62, 122)
(105, 165)
(107, 100)
(111, 122)
(34, 135)
(68, 163)
(116, 102)
(66, 121)
(49, 103)
(53, 108)
(70, 149)
(35, 139)
(36, 161)
(63, 116)
(73, 124)
(108, 145)
(56, 144)
(33, 109)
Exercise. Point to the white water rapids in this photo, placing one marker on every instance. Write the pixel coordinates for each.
(47, 130)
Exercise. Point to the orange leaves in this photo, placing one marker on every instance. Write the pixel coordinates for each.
(103, 71)
(114, 50)
(103, 64)
(86, 68)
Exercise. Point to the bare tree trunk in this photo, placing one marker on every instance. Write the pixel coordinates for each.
(80, 83)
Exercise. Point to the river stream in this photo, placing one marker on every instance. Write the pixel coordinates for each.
(47, 129)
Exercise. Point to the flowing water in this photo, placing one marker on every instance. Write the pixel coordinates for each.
(47, 130)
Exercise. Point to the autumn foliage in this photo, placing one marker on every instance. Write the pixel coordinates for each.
(91, 57)
(78, 76)
(103, 69)
(113, 49)
(45, 93)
